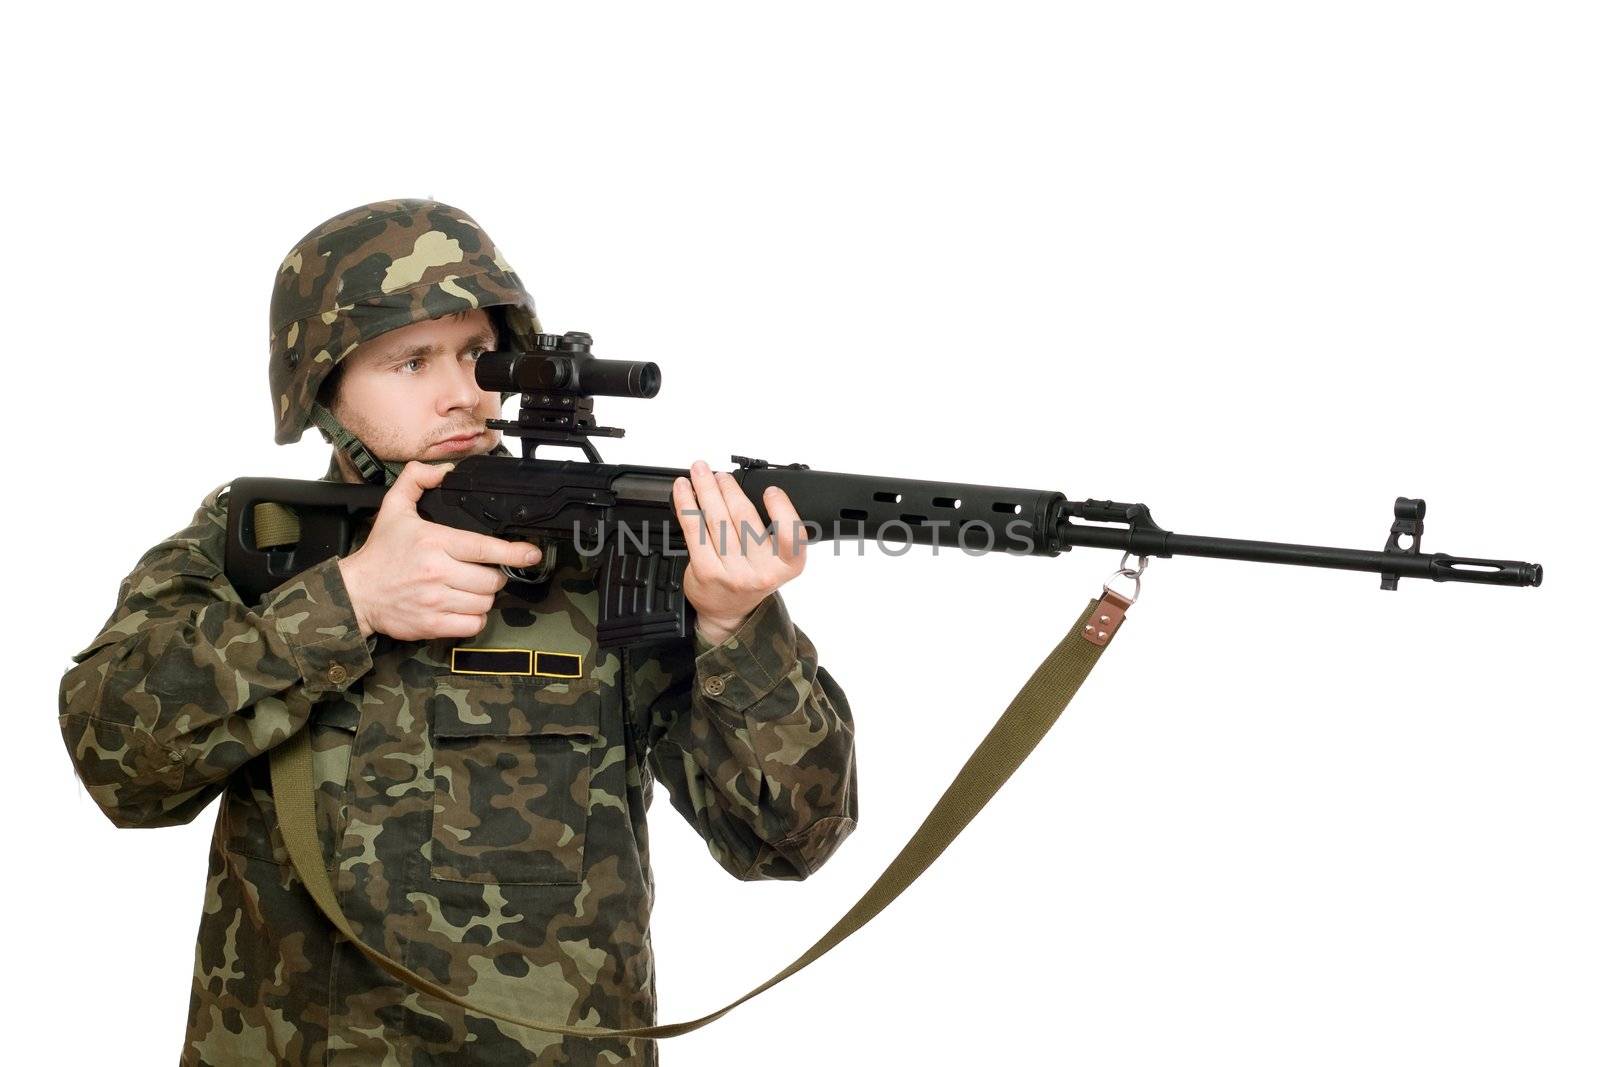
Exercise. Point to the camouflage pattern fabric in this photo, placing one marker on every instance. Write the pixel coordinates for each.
(486, 830)
(370, 270)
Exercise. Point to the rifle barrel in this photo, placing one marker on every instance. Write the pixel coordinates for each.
(1438, 566)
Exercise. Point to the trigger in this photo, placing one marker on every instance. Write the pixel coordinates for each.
(540, 571)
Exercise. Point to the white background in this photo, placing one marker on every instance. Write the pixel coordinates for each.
(1263, 267)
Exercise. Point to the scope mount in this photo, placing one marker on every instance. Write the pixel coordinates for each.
(551, 414)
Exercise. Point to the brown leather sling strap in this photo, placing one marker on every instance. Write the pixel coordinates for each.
(1017, 732)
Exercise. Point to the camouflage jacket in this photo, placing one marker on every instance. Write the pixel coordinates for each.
(487, 830)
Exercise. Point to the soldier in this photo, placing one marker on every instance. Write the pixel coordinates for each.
(485, 829)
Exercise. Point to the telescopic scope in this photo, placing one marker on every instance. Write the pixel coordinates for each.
(563, 363)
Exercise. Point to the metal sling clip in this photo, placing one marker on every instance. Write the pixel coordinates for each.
(1123, 571)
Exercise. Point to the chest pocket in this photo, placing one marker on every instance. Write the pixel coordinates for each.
(512, 762)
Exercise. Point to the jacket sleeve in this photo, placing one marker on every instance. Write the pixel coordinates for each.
(756, 745)
(186, 683)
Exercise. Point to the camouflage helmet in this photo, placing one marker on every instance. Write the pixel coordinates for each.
(364, 272)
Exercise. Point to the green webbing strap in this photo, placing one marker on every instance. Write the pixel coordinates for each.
(1023, 725)
(275, 525)
(372, 469)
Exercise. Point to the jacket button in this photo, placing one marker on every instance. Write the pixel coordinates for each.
(714, 686)
(337, 674)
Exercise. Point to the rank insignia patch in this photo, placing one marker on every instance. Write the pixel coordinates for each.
(525, 661)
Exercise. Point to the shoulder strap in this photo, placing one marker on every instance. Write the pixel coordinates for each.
(1017, 732)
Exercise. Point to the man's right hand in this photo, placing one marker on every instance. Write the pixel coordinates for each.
(417, 580)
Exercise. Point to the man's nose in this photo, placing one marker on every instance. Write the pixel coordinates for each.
(462, 390)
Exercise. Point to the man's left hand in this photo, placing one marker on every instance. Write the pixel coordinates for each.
(734, 562)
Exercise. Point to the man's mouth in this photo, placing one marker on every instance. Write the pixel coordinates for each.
(459, 442)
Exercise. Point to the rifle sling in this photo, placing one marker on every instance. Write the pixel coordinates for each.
(1015, 734)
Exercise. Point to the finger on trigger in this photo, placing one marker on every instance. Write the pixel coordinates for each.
(469, 547)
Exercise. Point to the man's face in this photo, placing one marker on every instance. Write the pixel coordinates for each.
(411, 393)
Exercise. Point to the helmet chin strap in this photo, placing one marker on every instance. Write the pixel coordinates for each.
(373, 470)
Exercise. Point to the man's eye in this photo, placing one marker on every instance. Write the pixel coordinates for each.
(409, 362)
(477, 353)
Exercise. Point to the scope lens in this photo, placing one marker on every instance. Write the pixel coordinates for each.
(649, 381)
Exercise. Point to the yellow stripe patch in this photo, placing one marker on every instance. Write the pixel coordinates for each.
(533, 662)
